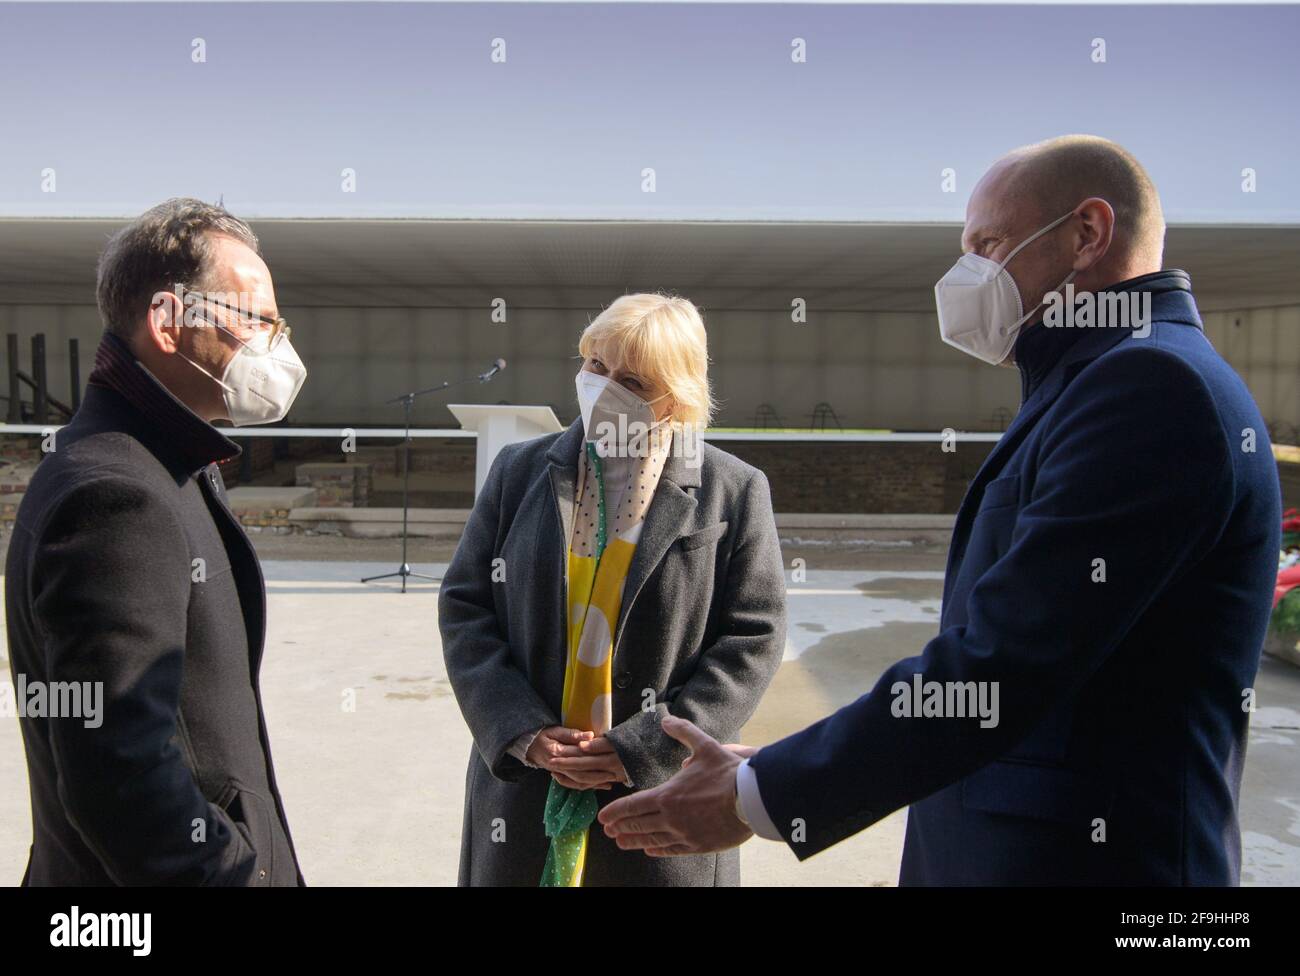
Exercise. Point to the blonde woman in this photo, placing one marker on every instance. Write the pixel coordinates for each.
(609, 575)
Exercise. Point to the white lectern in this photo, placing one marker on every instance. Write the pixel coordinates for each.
(499, 424)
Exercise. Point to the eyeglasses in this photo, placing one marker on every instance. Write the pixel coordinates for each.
(279, 327)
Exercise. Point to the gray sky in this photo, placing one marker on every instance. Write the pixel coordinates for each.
(407, 95)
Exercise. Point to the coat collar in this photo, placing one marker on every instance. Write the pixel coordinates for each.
(1040, 350)
(1066, 351)
(671, 512)
(172, 431)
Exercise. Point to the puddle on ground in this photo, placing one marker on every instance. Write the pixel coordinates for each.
(829, 674)
(898, 588)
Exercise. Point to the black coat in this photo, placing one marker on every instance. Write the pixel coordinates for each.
(1112, 570)
(126, 567)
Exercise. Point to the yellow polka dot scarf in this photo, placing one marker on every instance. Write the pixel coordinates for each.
(600, 554)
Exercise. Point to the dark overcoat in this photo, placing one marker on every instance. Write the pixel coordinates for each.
(127, 568)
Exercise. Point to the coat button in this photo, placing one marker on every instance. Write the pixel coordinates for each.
(261, 874)
(623, 680)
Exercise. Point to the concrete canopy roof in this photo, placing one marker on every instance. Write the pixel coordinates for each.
(584, 264)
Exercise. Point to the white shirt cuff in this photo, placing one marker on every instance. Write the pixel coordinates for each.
(519, 748)
(750, 802)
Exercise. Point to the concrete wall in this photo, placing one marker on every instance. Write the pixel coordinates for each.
(876, 369)
(1263, 345)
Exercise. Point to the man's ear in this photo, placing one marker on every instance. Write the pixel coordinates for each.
(1097, 228)
(164, 322)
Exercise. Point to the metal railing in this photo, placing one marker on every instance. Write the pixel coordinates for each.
(397, 433)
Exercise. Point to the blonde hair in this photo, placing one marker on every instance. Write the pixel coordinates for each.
(659, 337)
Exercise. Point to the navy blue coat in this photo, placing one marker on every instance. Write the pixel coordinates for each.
(1122, 684)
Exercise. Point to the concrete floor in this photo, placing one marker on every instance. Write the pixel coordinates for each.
(374, 795)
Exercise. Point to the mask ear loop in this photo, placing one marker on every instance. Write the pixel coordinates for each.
(1018, 248)
(1033, 237)
(650, 403)
(653, 431)
(658, 426)
(221, 383)
(1021, 321)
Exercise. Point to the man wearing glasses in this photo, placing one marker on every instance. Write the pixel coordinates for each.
(128, 577)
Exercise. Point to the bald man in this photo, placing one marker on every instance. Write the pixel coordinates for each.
(1081, 717)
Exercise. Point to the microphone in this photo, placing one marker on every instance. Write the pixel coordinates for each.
(495, 368)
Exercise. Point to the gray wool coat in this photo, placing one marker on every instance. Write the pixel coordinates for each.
(700, 635)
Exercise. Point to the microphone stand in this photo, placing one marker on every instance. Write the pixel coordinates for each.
(407, 400)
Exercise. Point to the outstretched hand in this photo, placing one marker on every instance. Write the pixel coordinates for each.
(692, 813)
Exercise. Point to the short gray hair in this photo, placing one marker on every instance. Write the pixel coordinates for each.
(165, 247)
(1058, 174)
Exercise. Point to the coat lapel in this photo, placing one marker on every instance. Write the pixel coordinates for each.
(563, 474)
(970, 502)
(1086, 349)
(1171, 302)
(671, 513)
(245, 567)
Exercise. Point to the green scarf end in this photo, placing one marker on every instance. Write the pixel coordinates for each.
(569, 813)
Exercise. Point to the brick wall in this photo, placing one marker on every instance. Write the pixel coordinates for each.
(858, 478)
(21, 447)
(453, 456)
(261, 452)
(337, 485)
(872, 477)
(889, 478)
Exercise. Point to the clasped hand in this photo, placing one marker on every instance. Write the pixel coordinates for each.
(577, 759)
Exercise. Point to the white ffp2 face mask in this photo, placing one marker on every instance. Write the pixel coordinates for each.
(980, 311)
(259, 387)
(613, 417)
